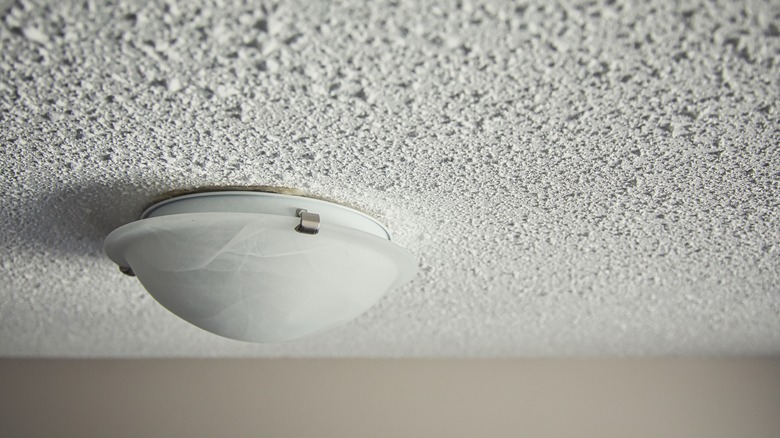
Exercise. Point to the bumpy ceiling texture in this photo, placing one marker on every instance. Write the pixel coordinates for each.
(577, 178)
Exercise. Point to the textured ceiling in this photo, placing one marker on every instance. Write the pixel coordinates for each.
(583, 178)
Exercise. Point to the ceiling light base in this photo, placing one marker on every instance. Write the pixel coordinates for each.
(260, 267)
(267, 203)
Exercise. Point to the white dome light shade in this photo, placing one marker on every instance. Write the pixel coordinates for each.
(259, 277)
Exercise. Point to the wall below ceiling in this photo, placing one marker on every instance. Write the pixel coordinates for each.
(391, 398)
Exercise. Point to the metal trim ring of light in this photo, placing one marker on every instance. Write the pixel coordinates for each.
(260, 267)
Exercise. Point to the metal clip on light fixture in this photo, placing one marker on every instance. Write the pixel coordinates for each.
(310, 222)
(245, 265)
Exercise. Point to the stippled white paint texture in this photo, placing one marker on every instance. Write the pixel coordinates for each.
(577, 178)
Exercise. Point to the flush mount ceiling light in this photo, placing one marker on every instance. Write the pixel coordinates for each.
(260, 267)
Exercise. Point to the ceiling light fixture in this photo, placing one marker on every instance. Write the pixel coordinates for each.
(260, 267)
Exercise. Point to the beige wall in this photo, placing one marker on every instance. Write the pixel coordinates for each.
(385, 398)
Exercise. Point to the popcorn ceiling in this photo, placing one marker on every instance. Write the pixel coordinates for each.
(584, 178)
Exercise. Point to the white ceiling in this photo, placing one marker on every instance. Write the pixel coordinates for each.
(582, 179)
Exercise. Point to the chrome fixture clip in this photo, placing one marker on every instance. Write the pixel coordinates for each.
(310, 222)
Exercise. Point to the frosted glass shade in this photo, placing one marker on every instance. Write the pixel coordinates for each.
(253, 277)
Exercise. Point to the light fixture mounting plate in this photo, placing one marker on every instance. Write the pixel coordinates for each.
(267, 203)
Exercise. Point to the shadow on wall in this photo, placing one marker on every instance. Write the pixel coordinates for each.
(74, 219)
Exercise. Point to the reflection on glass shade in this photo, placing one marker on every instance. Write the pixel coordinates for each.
(252, 277)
